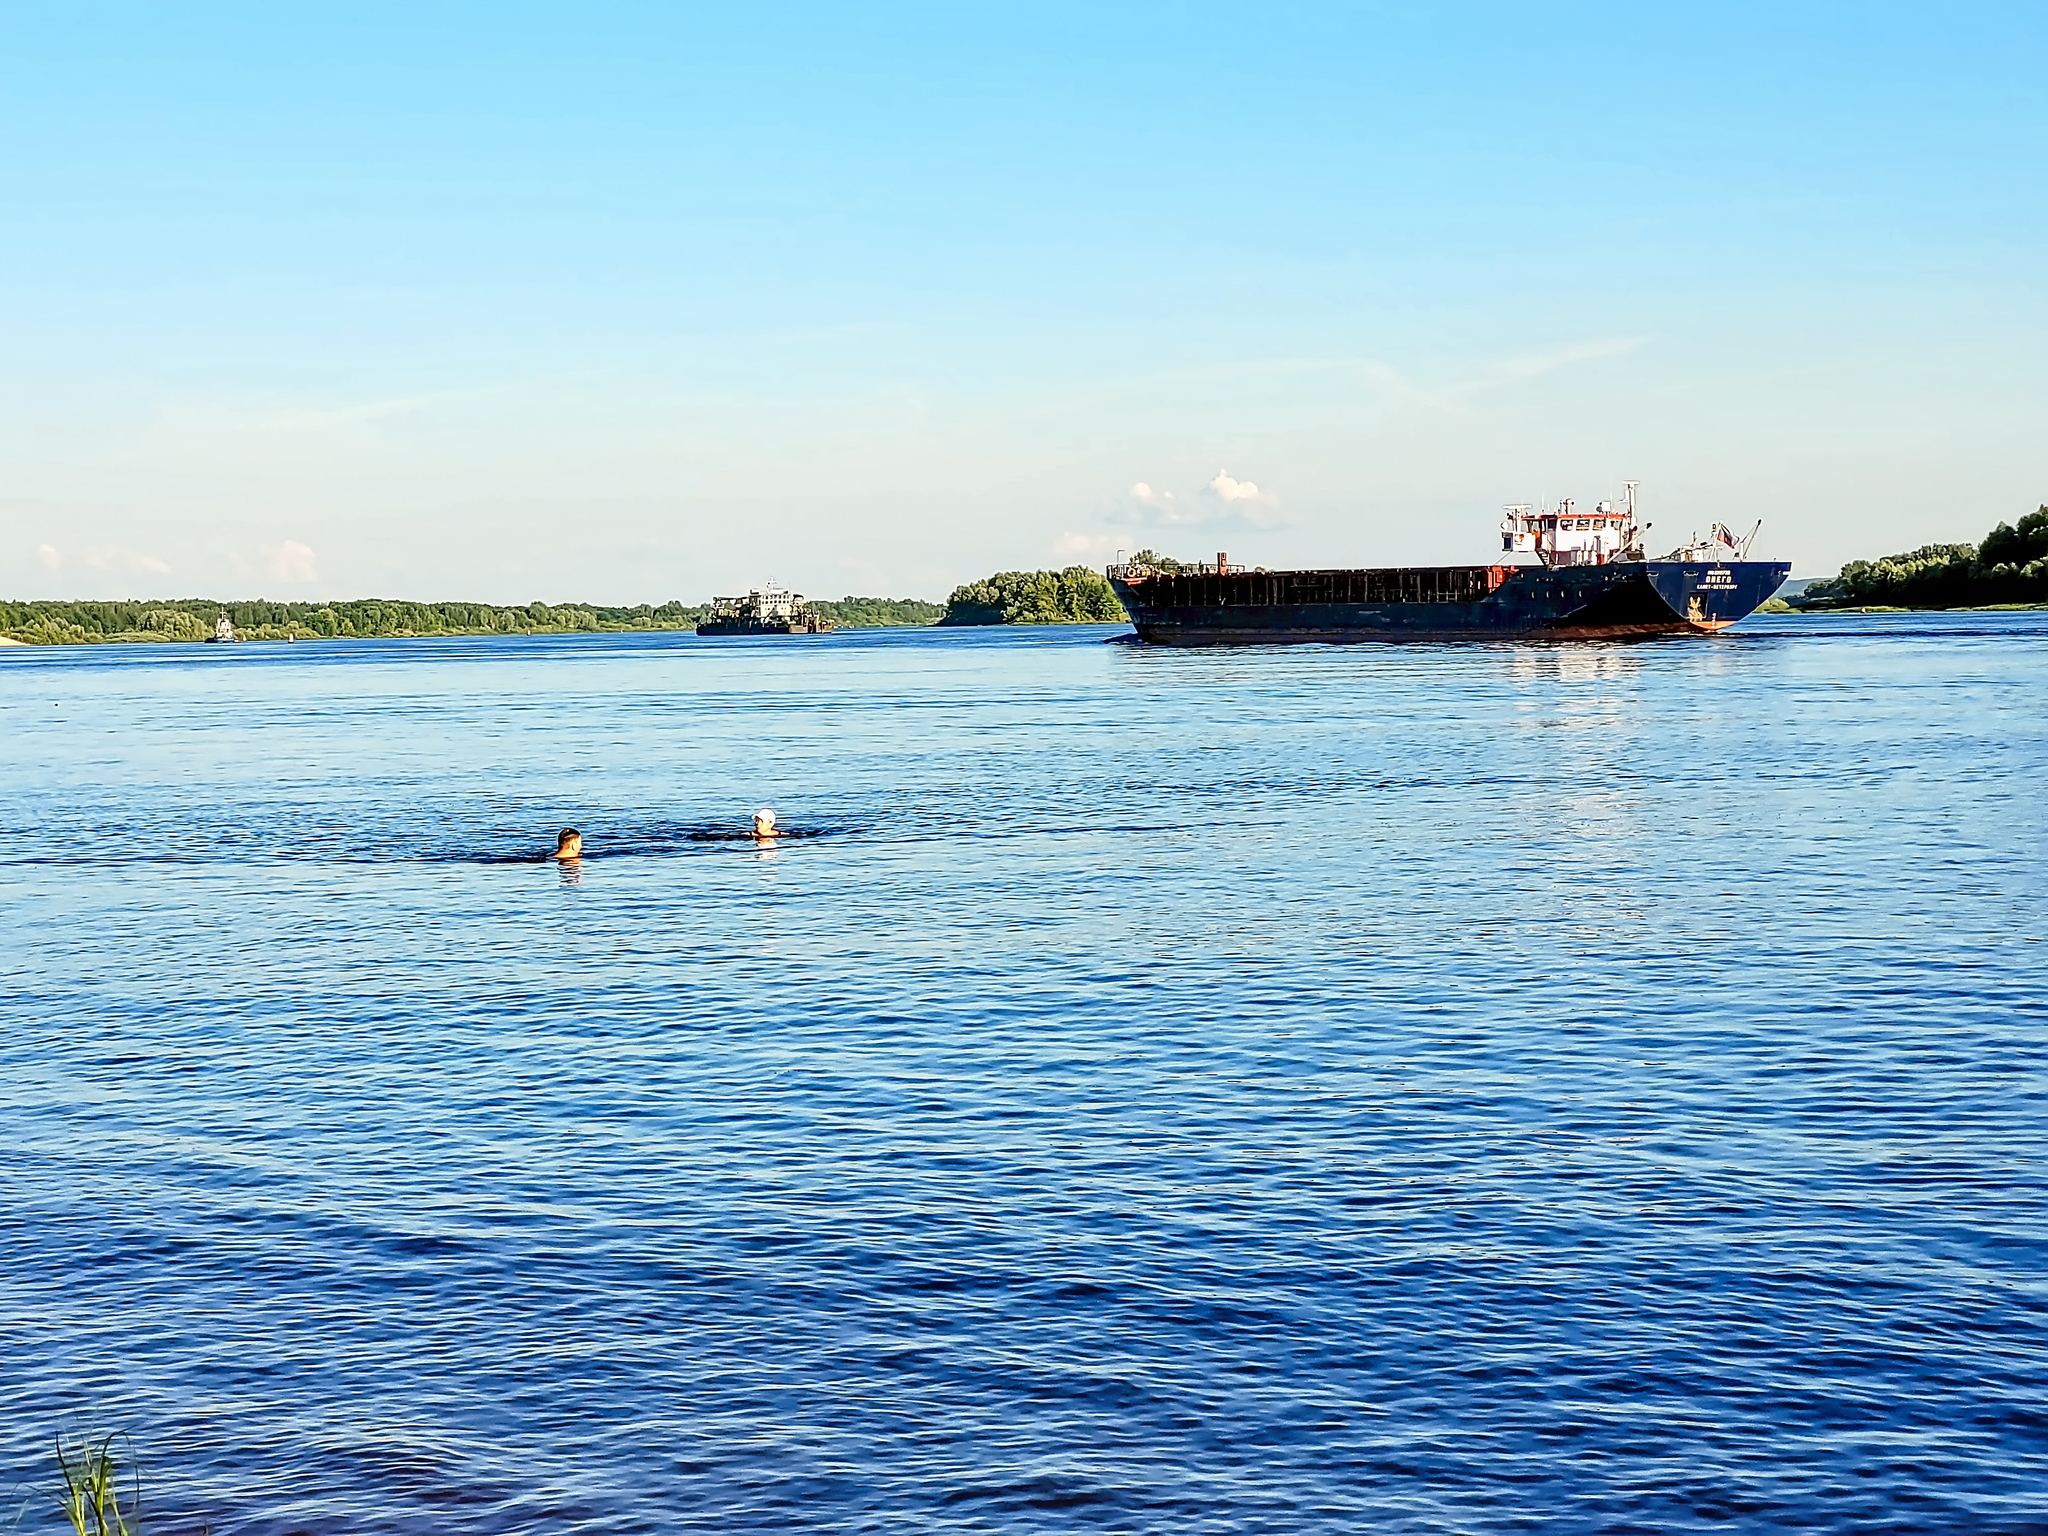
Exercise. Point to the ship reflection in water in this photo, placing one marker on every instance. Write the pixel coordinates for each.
(1574, 663)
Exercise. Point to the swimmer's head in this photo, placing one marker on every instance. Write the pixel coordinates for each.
(569, 845)
(764, 822)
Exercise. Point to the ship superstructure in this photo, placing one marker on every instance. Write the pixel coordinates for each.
(1565, 535)
(1568, 535)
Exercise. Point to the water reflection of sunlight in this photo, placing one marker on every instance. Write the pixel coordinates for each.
(1597, 813)
(1594, 852)
(1588, 830)
(1578, 662)
(1572, 688)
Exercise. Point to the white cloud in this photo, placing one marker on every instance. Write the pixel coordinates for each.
(1147, 506)
(51, 557)
(1225, 502)
(1226, 489)
(290, 562)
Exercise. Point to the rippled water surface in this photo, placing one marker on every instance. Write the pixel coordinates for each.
(1428, 1088)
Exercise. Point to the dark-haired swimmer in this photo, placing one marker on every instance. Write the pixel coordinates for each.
(570, 846)
(764, 824)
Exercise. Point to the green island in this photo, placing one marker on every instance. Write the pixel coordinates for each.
(2008, 570)
(1076, 595)
(192, 619)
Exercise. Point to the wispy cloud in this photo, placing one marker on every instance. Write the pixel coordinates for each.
(1084, 548)
(101, 559)
(1501, 373)
(290, 562)
(1515, 370)
(1397, 386)
(218, 429)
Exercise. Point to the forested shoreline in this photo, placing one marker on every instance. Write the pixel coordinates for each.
(2009, 567)
(192, 619)
(1075, 595)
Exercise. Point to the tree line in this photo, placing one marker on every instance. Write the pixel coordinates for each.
(187, 619)
(2010, 566)
(878, 612)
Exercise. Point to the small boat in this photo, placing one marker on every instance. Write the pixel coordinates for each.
(764, 611)
(223, 632)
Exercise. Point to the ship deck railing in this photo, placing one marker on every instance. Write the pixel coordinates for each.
(1183, 568)
(1203, 585)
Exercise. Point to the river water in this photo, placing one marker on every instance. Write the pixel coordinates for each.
(1425, 1088)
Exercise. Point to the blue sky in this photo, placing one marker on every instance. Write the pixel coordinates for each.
(624, 302)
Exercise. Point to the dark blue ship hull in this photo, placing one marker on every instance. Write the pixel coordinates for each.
(1583, 602)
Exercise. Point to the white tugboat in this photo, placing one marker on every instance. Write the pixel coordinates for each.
(223, 632)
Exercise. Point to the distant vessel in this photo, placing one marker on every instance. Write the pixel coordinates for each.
(1591, 581)
(764, 611)
(223, 632)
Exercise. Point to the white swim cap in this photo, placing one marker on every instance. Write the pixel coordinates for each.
(764, 814)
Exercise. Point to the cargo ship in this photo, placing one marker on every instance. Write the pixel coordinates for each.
(764, 611)
(1589, 580)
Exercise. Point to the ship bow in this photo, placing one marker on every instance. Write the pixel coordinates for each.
(1711, 595)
